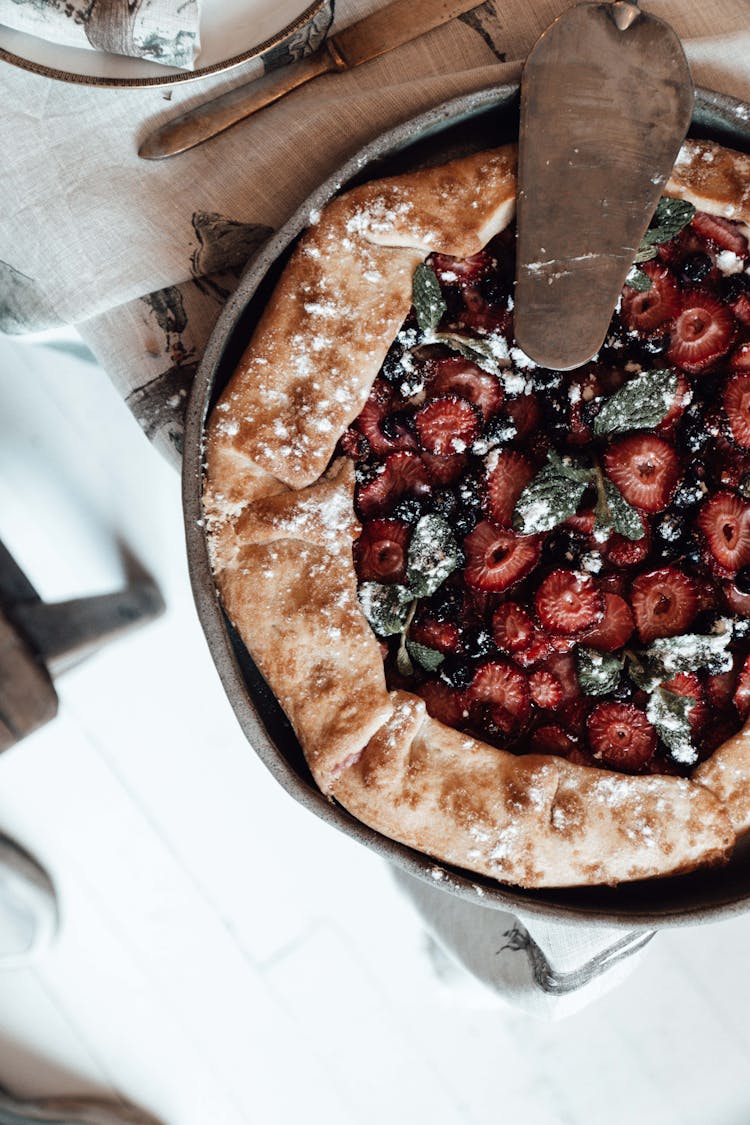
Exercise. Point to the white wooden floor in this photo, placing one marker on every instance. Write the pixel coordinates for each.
(225, 958)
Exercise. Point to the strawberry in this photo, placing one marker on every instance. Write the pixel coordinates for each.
(380, 551)
(651, 312)
(525, 413)
(702, 333)
(370, 422)
(546, 690)
(740, 306)
(505, 483)
(461, 271)
(457, 376)
(737, 600)
(505, 687)
(445, 471)
(739, 360)
(443, 636)
(564, 669)
(568, 603)
(621, 551)
(736, 401)
(496, 558)
(720, 689)
(573, 715)
(664, 603)
(722, 232)
(645, 468)
(725, 522)
(539, 650)
(447, 425)
(447, 704)
(742, 691)
(621, 736)
(683, 397)
(582, 522)
(512, 627)
(615, 628)
(562, 644)
(552, 739)
(482, 316)
(402, 474)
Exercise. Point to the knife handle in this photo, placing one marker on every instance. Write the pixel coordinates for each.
(213, 117)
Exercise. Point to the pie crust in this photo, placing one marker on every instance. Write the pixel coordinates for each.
(281, 523)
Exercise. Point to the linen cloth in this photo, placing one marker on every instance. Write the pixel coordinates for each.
(162, 31)
(142, 256)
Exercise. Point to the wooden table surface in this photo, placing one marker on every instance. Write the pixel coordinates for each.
(224, 957)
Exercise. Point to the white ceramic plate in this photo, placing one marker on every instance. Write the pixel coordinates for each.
(232, 32)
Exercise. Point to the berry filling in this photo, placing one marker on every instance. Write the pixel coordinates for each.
(559, 562)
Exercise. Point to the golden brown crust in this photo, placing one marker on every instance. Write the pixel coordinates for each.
(286, 576)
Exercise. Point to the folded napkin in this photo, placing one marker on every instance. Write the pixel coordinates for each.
(142, 257)
(162, 31)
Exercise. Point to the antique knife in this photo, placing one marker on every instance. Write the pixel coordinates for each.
(606, 101)
(390, 27)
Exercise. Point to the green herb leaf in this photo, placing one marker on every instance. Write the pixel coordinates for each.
(549, 499)
(429, 658)
(669, 655)
(478, 351)
(644, 254)
(625, 519)
(670, 217)
(568, 469)
(403, 661)
(744, 487)
(598, 672)
(640, 404)
(638, 279)
(669, 713)
(385, 607)
(434, 554)
(429, 305)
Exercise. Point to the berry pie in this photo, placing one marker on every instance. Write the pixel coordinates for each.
(506, 609)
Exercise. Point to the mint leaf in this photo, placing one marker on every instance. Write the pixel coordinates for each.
(640, 404)
(427, 298)
(568, 469)
(385, 607)
(434, 554)
(669, 713)
(690, 652)
(744, 487)
(478, 351)
(670, 217)
(549, 499)
(638, 279)
(625, 519)
(598, 672)
(429, 658)
(644, 253)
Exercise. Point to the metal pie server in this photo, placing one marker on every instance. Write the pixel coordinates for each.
(606, 101)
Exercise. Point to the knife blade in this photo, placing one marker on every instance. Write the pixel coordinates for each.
(376, 34)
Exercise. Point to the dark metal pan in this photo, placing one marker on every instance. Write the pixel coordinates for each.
(480, 120)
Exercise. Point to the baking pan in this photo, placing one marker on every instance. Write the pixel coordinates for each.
(480, 120)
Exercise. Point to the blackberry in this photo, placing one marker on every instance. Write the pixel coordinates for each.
(444, 502)
(446, 603)
(694, 429)
(691, 489)
(392, 369)
(566, 548)
(492, 290)
(410, 510)
(470, 493)
(395, 425)
(671, 537)
(545, 379)
(499, 430)
(466, 521)
(477, 643)
(734, 286)
(696, 267)
(624, 689)
(456, 672)
(589, 411)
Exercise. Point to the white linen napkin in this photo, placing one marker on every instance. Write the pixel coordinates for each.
(162, 31)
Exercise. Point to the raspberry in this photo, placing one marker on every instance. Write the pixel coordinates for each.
(447, 704)
(552, 739)
(443, 636)
(505, 687)
(621, 736)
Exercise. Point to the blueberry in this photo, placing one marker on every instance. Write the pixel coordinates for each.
(477, 643)
(691, 489)
(392, 369)
(470, 492)
(456, 672)
(696, 267)
(445, 503)
(694, 429)
(670, 527)
(466, 521)
(734, 286)
(565, 547)
(545, 379)
(446, 603)
(499, 430)
(624, 689)
(492, 289)
(742, 580)
(410, 510)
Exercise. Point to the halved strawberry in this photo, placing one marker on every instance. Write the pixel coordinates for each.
(568, 603)
(512, 627)
(443, 636)
(496, 558)
(740, 306)
(652, 311)
(628, 552)
(525, 414)
(445, 471)
(484, 316)
(616, 626)
(664, 603)
(402, 474)
(574, 713)
(682, 399)
(645, 468)
(720, 689)
(461, 271)
(380, 551)
(688, 685)
(552, 739)
(564, 668)
(369, 423)
(582, 522)
(737, 600)
(539, 650)
(621, 736)
(725, 522)
(461, 377)
(447, 425)
(546, 689)
(736, 400)
(505, 483)
(742, 691)
(702, 333)
(739, 360)
(722, 232)
(505, 687)
(446, 704)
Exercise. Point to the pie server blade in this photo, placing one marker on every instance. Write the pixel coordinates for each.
(606, 101)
